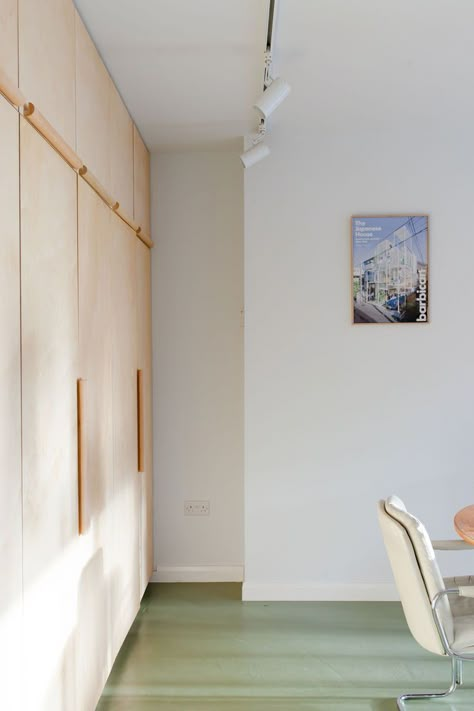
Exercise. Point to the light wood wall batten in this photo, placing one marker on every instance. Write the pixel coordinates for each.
(36, 118)
(92, 110)
(141, 191)
(10, 416)
(9, 40)
(49, 304)
(47, 61)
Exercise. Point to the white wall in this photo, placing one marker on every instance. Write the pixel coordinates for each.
(197, 214)
(337, 416)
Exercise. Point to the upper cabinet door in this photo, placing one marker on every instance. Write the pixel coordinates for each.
(141, 160)
(10, 427)
(47, 61)
(92, 108)
(9, 39)
(121, 152)
(49, 333)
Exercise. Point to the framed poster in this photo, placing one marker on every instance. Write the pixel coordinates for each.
(390, 269)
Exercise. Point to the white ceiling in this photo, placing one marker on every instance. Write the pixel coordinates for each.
(188, 70)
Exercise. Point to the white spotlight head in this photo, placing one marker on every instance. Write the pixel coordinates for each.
(254, 155)
(272, 97)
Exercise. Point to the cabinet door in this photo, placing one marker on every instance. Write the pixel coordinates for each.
(141, 161)
(49, 411)
(95, 366)
(47, 61)
(92, 114)
(121, 152)
(10, 430)
(9, 39)
(145, 365)
(126, 503)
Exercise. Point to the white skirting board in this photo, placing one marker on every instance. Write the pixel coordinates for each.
(313, 592)
(198, 574)
(276, 592)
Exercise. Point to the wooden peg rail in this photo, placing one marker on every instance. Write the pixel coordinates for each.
(35, 117)
(90, 178)
(126, 218)
(32, 114)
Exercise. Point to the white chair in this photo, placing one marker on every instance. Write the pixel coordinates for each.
(439, 612)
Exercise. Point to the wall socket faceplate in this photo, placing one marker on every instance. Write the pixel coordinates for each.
(197, 508)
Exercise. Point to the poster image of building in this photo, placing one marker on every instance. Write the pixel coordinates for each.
(390, 269)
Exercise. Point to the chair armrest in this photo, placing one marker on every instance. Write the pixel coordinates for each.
(463, 591)
(455, 545)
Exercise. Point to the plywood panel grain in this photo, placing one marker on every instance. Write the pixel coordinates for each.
(47, 61)
(126, 493)
(141, 161)
(95, 365)
(143, 261)
(9, 39)
(10, 418)
(49, 373)
(121, 152)
(93, 89)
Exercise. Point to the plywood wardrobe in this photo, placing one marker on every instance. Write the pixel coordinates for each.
(75, 364)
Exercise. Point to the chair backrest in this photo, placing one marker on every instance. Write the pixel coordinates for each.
(416, 572)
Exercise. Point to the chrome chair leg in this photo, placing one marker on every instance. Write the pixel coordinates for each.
(456, 675)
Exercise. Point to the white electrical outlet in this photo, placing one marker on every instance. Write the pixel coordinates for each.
(196, 508)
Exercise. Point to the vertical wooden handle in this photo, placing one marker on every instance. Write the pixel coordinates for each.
(81, 454)
(140, 428)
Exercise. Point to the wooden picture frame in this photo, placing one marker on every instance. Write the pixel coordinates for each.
(390, 269)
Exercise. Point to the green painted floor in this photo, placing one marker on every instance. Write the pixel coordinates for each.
(197, 647)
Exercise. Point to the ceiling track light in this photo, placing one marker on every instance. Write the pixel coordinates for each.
(258, 151)
(275, 90)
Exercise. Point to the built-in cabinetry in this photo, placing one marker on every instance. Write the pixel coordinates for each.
(75, 365)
